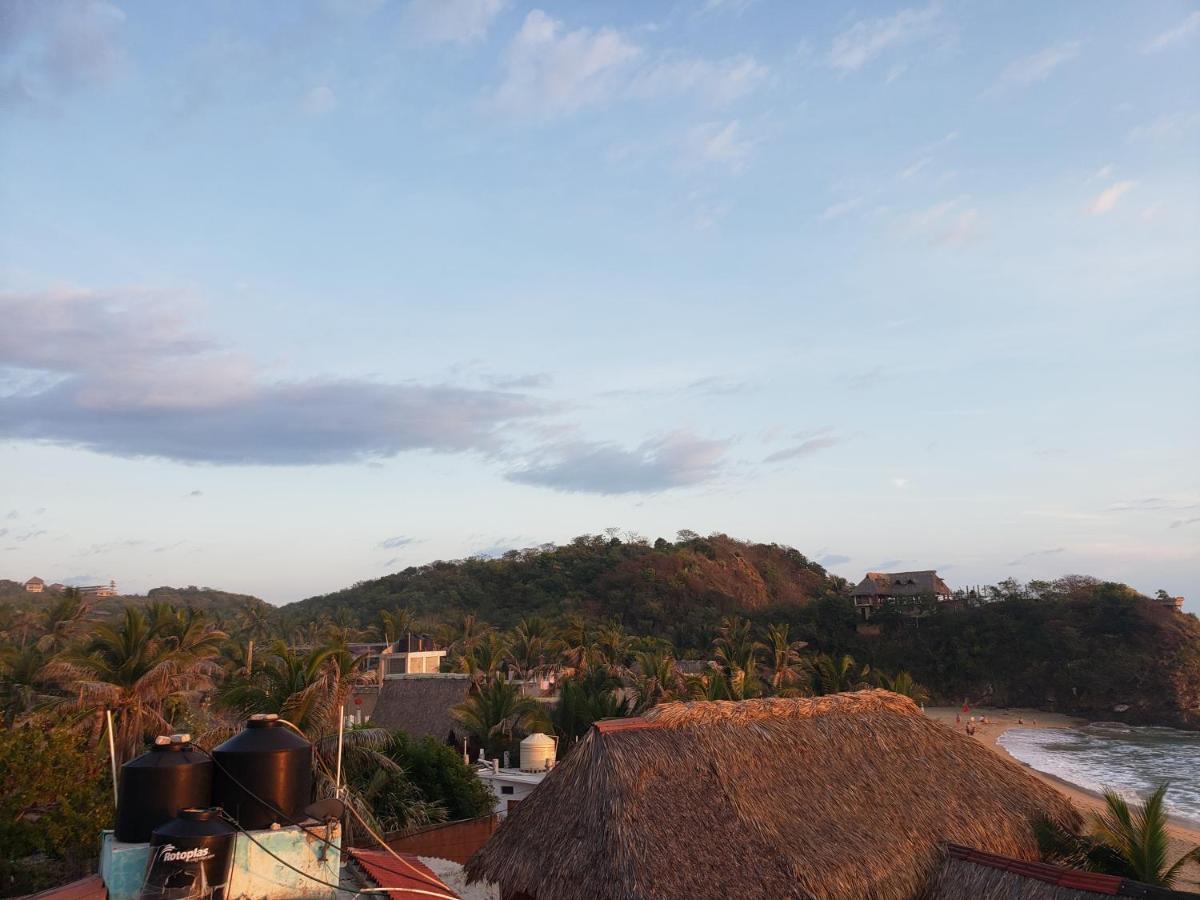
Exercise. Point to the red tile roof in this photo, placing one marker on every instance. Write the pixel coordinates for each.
(1056, 875)
(90, 888)
(408, 878)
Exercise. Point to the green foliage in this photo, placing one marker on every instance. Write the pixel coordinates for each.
(441, 776)
(55, 807)
(496, 714)
(1129, 841)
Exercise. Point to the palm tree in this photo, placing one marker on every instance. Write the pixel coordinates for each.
(586, 697)
(395, 623)
(485, 658)
(63, 620)
(1129, 842)
(495, 712)
(837, 675)
(611, 647)
(136, 670)
(786, 666)
(304, 687)
(532, 643)
(904, 684)
(655, 679)
(737, 653)
(1138, 838)
(576, 642)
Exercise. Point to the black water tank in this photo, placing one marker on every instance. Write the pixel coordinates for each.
(267, 762)
(190, 857)
(172, 776)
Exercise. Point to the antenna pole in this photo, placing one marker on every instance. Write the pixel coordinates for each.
(337, 781)
(112, 753)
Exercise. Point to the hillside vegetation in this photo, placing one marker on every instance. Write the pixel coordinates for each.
(1076, 645)
(679, 591)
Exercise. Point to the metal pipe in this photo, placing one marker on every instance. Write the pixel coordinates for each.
(112, 753)
(337, 781)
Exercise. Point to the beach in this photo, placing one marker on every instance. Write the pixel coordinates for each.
(1184, 835)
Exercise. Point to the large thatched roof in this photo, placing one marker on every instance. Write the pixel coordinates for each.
(846, 796)
(421, 704)
(902, 584)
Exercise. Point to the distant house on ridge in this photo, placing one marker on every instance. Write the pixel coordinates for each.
(878, 588)
(35, 585)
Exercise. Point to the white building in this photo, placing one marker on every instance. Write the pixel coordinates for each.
(411, 655)
(510, 786)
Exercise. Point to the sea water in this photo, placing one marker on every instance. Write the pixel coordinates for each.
(1130, 760)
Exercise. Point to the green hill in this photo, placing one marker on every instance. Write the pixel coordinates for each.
(1076, 645)
(676, 590)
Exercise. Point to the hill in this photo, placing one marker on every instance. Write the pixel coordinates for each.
(217, 603)
(678, 590)
(1076, 645)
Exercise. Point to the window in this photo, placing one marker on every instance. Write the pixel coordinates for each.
(506, 789)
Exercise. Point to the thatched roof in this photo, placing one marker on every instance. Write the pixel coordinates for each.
(845, 796)
(987, 876)
(902, 584)
(421, 704)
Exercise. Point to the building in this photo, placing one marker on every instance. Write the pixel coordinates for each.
(98, 591)
(421, 704)
(510, 785)
(35, 585)
(413, 654)
(878, 588)
(839, 797)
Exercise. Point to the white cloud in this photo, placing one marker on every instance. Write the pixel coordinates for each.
(719, 143)
(1173, 37)
(549, 70)
(867, 38)
(1108, 197)
(1164, 128)
(841, 208)
(899, 483)
(675, 460)
(319, 100)
(721, 82)
(951, 223)
(1038, 67)
(450, 21)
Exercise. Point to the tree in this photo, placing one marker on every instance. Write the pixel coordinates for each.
(495, 712)
(1132, 843)
(737, 653)
(1138, 838)
(136, 669)
(655, 679)
(837, 675)
(56, 807)
(304, 687)
(903, 684)
(787, 668)
(395, 623)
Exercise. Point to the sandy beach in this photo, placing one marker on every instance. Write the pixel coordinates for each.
(1184, 835)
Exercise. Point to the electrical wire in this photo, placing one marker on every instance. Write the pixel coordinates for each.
(417, 873)
(382, 843)
(337, 887)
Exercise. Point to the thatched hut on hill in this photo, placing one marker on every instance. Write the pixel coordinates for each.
(845, 796)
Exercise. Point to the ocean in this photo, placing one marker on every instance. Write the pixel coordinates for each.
(1130, 760)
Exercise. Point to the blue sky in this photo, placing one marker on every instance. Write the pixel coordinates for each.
(298, 294)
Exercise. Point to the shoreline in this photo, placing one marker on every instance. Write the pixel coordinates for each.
(1184, 833)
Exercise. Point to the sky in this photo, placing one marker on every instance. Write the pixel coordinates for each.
(298, 294)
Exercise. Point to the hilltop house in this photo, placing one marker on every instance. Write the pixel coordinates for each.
(98, 591)
(878, 588)
(840, 797)
(35, 585)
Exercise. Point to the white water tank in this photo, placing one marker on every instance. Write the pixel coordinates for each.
(537, 753)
